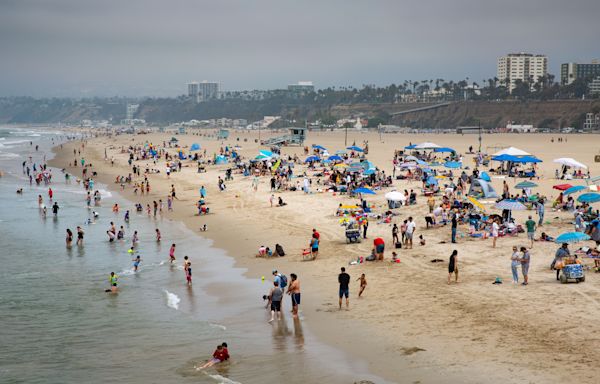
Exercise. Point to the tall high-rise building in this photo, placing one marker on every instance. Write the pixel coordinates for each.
(208, 90)
(131, 110)
(521, 66)
(569, 72)
(193, 89)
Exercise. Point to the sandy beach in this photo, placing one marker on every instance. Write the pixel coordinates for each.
(409, 325)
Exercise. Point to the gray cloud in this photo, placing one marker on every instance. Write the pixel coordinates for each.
(153, 47)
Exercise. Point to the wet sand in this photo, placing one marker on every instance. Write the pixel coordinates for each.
(410, 325)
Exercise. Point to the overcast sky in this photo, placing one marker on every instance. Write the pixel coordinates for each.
(154, 47)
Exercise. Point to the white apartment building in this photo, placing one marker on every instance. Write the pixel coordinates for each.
(208, 90)
(521, 66)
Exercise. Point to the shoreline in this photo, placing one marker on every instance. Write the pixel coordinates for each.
(418, 352)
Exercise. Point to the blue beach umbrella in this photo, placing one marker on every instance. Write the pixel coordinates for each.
(335, 158)
(589, 198)
(452, 164)
(575, 189)
(266, 153)
(369, 171)
(528, 159)
(195, 147)
(364, 191)
(320, 147)
(355, 148)
(412, 146)
(511, 205)
(311, 159)
(572, 237)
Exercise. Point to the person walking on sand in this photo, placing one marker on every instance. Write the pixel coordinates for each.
(454, 226)
(294, 291)
(530, 224)
(495, 232)
(540, 211)
(515, 261)
(344, 280)
(525, 259)
(363, 284)
(314, 247)
(275, 296)
(453, 266)
(410, 231)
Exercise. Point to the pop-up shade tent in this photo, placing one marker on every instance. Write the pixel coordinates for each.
(482, 189)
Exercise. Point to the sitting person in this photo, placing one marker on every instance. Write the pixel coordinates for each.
(264, 252)
(281, 203)
(219, 355)
(421, 240)
(545, 237)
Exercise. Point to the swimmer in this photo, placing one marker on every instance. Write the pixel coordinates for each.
(136, 263)
(20, 191)
(112, 279)
(135, 239)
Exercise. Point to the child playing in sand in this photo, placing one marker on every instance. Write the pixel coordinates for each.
(363, 284)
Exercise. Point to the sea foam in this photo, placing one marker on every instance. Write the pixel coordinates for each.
(172, 300)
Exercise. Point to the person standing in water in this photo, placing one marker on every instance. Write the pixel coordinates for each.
(294, 291)
(276, 295)
(172, 253)
(158, 235)
(112, 279)
(136, 263)
(55, 208)
(79, 235)
(69, 238)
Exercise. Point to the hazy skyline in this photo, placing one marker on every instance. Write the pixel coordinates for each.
(153, 48)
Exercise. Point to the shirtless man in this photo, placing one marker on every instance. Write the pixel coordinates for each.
(294, 291)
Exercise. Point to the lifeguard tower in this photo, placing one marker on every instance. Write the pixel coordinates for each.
(223, 134)
(296, 136)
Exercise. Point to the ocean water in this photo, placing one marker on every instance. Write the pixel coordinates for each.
(57, 325)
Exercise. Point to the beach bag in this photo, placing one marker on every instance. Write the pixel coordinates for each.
(398, 245)
(283, 280)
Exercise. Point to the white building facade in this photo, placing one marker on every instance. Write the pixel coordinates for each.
(521, 66)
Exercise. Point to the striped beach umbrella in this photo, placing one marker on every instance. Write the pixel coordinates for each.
(511, 205)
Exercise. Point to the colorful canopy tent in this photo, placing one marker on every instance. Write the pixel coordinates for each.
(221, 160)
(482, 188)
(427, 145)
(570, 162)
(517, 159)
(511, 151)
